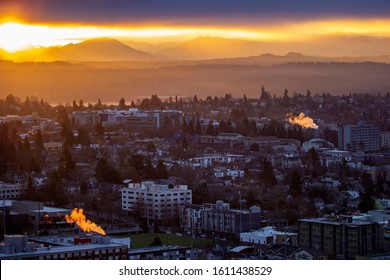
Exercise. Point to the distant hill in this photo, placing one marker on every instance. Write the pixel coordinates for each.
(104, 49)
(271, 59)
(150, 48)
(63, 81)
(209, 48)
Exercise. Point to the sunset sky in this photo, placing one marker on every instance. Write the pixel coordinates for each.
(34, 23)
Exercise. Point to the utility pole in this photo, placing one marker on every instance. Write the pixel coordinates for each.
(239, 192)
(4, 223)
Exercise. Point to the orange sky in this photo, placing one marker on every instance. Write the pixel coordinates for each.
(20, 35)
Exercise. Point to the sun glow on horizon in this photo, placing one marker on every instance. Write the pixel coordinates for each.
(17, 36)
(20, 36)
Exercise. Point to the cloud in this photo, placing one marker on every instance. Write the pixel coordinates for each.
(193, 11)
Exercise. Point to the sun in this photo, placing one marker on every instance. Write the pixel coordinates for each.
(14, 36)
(18, 36)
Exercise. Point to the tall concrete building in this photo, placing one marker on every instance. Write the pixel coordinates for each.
(344, 237)
(363, 137)
(155, 202)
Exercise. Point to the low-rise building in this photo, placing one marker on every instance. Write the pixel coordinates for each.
(95, 247)
(268, 235)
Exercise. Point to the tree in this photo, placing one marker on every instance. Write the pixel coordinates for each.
(81, 104)
(99, 128)
(184, 143)
(366, 203)
(286, 99)
(83, 188)
(55, 191)
(137, 162)
(267, 175)
(75, 106)
(38, 144)
(83, 138)
(106, 172)
(68, 163)
(313, 164)
(122, 104)
(150, 147)
(149, 170)
(265, 97)
(30, 193)
(161, 170)
(34, 165)
(155, 102)
(198, 128)
(210, 129)
(156, 241)
(296, 183)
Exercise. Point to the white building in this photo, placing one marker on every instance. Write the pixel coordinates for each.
(156, 201)
(208, 161)
(267, 235)
(225, 172)
(10, 191)
(318, 144)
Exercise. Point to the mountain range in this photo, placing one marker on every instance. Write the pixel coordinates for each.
(102, 49)
(220, 50)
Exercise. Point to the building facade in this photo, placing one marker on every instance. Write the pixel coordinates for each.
(218, 220)
(341, 237)
(155, 201)
(19, 247)
(10, 191)
(360, 137)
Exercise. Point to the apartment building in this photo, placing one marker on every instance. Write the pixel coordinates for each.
(155, 201)
(363, 137)
(219, 219)
(343, 237)
(10, 191)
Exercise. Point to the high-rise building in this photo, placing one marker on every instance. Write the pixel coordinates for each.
(363, 137)
(344, 237)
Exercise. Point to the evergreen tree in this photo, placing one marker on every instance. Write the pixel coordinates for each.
(267, 175)
(122, 104)
(264, 97)
(149, 170)
(198, 128)
(156, 241)
(161, 170)
(184, 143)
(296, 183)
(38, 144)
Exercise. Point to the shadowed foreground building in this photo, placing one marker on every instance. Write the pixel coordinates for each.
(95, 247)
(341, 237)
